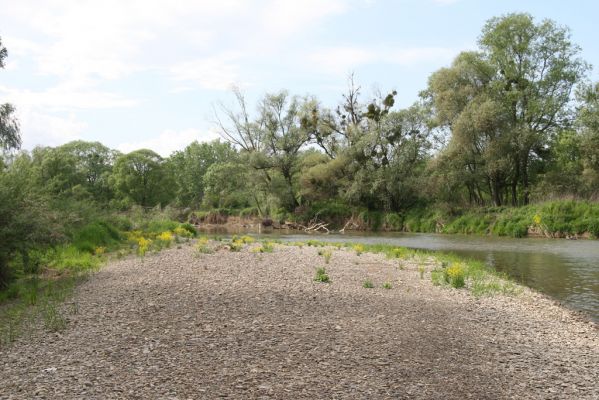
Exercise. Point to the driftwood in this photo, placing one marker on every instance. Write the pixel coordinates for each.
(350, 223)
(318, 226)
(313, 226)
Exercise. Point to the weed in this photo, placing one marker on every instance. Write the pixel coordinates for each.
(247, 239)
(53, 319)
(321, 275)
(165, 239)
(368, 284)
(267, 247)
(387, 285)
(235, 245)
(327, 256)
(204, 249)
(143, 245)
(455, 275)
(358, 248)
(421, 270)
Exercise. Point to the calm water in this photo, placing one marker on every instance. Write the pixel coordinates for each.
(567, 270)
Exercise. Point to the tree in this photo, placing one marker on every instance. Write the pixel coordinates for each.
(10, 137)
(76, 169)
(140, 176)
(272, 140)
(504, 103)
(188, 168)
(588, 126)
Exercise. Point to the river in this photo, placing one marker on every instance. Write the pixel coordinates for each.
(567, 270)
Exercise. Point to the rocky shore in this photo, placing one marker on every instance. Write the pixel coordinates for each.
(187, 325)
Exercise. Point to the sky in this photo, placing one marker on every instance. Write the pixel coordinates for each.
(149, 74)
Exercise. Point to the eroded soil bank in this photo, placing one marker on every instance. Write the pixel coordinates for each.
(185, 325)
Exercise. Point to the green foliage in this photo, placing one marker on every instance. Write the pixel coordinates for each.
(358, 248)
(71, 259)
(96, 234)
(235, 245)
(189, 228)
(321, 275)
(160, 225)
(367, 284)
(142, 178)
(387, 285)
(326, 254)
(455, 275)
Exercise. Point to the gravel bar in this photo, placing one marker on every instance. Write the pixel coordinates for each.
(244, 325)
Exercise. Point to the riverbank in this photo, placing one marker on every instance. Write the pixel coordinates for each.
(565, 219)
(249, 324)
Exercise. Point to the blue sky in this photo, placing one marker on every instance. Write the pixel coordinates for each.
(135, 74)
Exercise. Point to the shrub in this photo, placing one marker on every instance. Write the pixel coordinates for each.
(358, 248)
(393, 221)
(267, 247)
(421, 271)
(455, 275)
(247, 239)
(165, 239)
(161, 225)
(321, 275)
(235, 245)
(71, 258)
(95, 234)
(326, 254)
(143, 245)
(185, 230)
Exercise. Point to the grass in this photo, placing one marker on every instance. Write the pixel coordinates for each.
(387, 285)
(421, 270)
(367, 284)
(326, 254)
(321, 275)
(40, 305)
(358, 248)
(478, 278)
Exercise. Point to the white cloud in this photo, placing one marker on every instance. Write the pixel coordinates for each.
(218, 73)
(169, 141)
(343, 59)
(63, 98)
(46, 129)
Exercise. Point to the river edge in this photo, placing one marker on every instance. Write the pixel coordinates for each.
(413, 335)
(238, 225)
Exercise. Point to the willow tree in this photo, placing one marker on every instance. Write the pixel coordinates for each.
(503, 103)
(142, 178)
(272, 139)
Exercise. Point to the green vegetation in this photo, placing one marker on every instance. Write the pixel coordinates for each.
(358, 248)
(321, 275)
(326, 254)
(421, 270)
(367, 284)
(448, 269)
(387, 285)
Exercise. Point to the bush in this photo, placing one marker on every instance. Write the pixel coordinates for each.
(70, 258)
(96, 234)
(189, 228)
(455, 275)
(393, 222)
(321, 275)
(158, 226)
